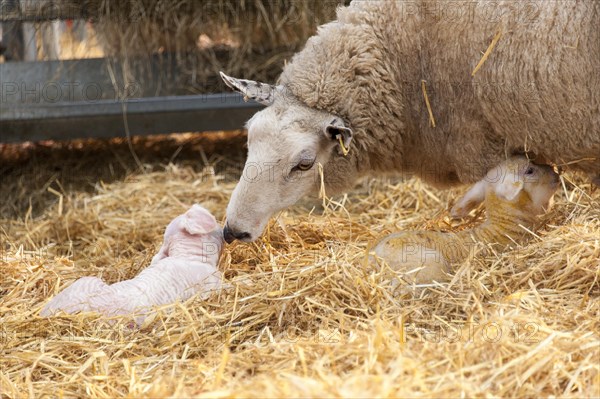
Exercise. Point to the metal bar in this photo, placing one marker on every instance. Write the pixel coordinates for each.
(90, 79)
(39, 11)
(105, 118)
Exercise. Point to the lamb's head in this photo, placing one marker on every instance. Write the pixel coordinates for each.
(195, 233)
(286, 143)
(517, 182)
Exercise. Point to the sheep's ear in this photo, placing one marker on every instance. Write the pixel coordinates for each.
(470, 200)
(509, 190)
(198, 220)
(337, 131)
(260, 92)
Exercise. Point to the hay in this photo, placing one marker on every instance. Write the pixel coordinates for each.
(426, 97)
(305, 317)
(250, 38)
(487, 53)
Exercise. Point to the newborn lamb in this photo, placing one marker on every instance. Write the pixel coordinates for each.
(185, 265)
(515, 193)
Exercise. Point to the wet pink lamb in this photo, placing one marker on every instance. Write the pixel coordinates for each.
(184, 266)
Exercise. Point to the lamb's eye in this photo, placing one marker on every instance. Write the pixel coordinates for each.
(529, 171)
(304, 165)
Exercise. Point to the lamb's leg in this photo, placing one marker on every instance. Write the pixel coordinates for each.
(76, 298)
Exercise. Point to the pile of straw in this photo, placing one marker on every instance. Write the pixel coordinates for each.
(250, 38)
(306, 317)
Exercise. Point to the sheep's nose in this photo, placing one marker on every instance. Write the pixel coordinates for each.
(230, 235)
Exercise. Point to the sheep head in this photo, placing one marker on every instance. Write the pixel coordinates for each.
(286, 143)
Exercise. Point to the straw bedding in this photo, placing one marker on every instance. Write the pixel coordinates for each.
(306, 317)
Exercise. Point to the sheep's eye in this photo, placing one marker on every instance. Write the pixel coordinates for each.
(529, 171)
(304, 165)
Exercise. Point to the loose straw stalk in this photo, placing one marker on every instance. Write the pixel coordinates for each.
(426, 97)
(487, 52)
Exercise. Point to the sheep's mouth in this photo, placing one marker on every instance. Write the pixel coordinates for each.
(555, 180)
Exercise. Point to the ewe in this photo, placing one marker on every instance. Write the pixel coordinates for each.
(359, 85)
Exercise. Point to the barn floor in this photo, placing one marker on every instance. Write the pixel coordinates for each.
(306, 317)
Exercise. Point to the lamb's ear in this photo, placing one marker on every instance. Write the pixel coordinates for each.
(470, 200)
(509, 189)
(198, 220)
(260, 92)
(336, 130)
